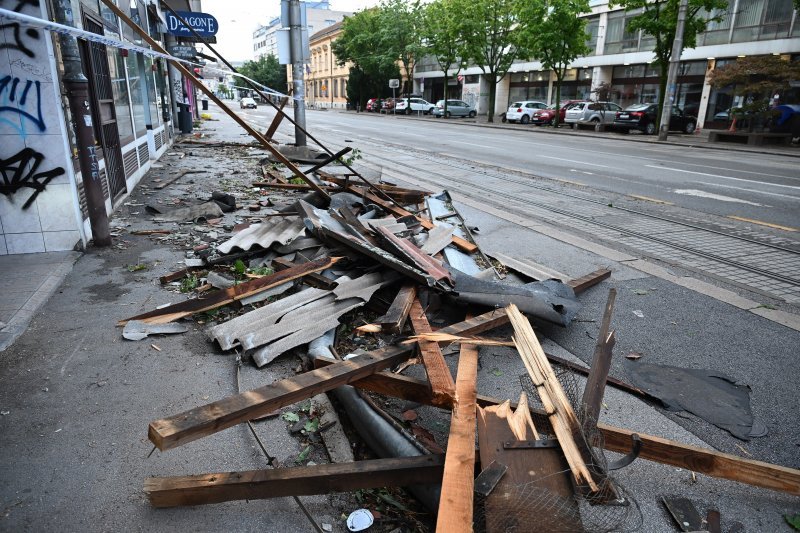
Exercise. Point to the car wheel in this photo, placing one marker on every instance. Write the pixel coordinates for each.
(430, 110)
(690, 126)
(624, 131)
(447, 114)
(472, 114)
(408, 111)
(574, 125)
(525, 119)
(650, 128)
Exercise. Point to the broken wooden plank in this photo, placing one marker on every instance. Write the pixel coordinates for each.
(589, 280)
(528, 268)
(529, 472)
(439, 376)
(455, 504)
(462, 244)
(562, 417)
(314, 279)
(167, 433)
(289, 186)
(395, 317)
(231, 294)
(213, 97)
(179, 274)
(601, 364)
(298, 481)
(479, 324)
(276, 121)
(329, 159)
(175, 178)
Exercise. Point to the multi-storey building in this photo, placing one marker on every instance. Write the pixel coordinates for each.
(318, 16)
(625, 60)
(325, 79)
(43, 200)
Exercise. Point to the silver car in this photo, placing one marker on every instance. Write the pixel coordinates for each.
(591, 114)
(455, 108)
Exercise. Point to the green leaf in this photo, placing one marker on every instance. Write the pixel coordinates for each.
(496, 372)
(793, 520)
(385, 496)
(303, 455)
(137, 267)
(239, 267)
(291, 417)
(311, 426)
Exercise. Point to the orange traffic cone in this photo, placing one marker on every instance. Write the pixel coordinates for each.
(733, 125)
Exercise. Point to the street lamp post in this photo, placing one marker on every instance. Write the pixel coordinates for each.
(672, 73)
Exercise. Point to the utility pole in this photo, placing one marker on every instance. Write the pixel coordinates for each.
(672, 73)
(77, 87)
(298, 84)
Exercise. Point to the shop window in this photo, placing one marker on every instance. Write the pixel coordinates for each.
(152, 100)
(135, 80)
(119, 88)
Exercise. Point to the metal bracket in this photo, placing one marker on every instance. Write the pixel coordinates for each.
(530, 444)
(622, 462)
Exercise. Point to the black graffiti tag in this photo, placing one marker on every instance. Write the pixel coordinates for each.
(29, 33)
(22, 171)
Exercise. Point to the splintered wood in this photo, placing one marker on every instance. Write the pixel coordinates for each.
(441, 380)
(558, 409)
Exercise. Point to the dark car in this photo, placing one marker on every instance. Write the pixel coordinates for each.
(643, 117)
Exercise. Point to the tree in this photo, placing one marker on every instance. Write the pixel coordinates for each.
(360, 43)
(659, 19)
(757, 79)
(400, 35)
(556, 35)
(442, 31)
(493, 39)
(266, 71)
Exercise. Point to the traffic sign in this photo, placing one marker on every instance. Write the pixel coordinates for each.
(394, 84)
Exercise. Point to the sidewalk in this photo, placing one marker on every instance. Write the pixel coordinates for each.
(77, 398)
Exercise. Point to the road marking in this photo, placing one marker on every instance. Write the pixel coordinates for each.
(723, 177)
(711, 195)
(648, 199)
(749, 190)
(471, 144)
(573, 161)
(761, 223)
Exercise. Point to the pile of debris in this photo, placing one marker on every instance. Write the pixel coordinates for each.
(409, 259)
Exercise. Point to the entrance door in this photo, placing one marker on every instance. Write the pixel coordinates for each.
(104, 114)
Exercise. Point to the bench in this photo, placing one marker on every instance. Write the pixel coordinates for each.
(750, 138)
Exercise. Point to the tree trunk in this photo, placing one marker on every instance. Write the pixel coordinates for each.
(492, 79)
(558, 102)
(444, 96)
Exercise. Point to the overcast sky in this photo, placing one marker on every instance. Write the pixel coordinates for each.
(239, 18)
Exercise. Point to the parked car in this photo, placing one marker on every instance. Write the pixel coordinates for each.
(643, 117)
(413, 105)
(455, 108)
(547, 115)
(387, 105)
(728, 114)
(248, 103)
(374, 105)
(523, 111)
(591, 114)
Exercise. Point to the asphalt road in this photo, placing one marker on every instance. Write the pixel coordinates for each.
(758, 187)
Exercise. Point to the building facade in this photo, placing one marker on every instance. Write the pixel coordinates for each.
(319, 15)
(43, 205)
(624, 59)
(325, 79)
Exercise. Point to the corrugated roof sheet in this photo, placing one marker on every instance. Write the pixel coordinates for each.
(266, 234)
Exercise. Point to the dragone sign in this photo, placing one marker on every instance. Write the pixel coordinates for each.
(203, 23)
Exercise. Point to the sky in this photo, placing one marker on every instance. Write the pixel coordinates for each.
(239, 18)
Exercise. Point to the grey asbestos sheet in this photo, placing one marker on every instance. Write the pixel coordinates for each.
(269, 232)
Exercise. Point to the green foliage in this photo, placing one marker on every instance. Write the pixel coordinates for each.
(442, 29)
(266, 71)
(297, 181)
(793, 520)
(354, 155)
(262, 271)
(363, 43)
(659, 18)
(493, 39)
(189, 283)
(556, 35)
(399, 37)
(291, 417)
(137, 267)
(239, 267)
(303, 457)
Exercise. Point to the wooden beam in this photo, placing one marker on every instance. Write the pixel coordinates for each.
(208, 419)
(601, 363)
(589, 280)
(226, 296)
(213, 97)
(455, 504)
(273, 127)
(299, 481)
(439, 376)
(329, 159)
(395, 317)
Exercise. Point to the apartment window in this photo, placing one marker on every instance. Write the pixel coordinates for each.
(717, 32)
(618, 38)
(762, 20)
(592, 28)
(136, 80)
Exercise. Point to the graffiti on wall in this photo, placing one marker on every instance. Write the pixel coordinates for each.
(23, 99)
(21, 171)
(21, 38)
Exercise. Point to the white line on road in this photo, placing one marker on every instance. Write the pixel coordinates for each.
(749, 190)
(573, 161)
(723, 177)
(470, 144)
(711, 195)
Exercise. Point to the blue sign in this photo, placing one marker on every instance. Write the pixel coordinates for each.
(203, 23)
